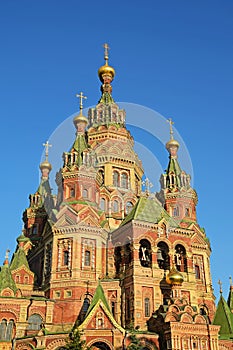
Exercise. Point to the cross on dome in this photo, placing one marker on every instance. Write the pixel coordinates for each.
(170, 121)
(81, 98)
(106, 51)
(46, 146)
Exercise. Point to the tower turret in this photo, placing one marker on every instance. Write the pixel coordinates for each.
(179, 198)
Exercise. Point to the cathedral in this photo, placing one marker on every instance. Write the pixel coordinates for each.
(102, 256)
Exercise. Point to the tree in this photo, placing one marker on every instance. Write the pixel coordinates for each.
(75, 342)
(135, 343)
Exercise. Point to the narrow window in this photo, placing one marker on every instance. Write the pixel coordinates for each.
(66, 258)
(124, 180)
(197, 272)
(176, 211)
(85, 193)
(116, 179)
(147, 307)
(87, 258)
(187, 212)
(128, 207)
(102, 203)
(115, 206)
(72, 192)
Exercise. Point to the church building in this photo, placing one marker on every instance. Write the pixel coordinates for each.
(104, 257)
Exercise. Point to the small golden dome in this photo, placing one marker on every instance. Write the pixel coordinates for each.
(45, 165)
(80, 118)
(174, 277)
(106, 70)
(172, 143)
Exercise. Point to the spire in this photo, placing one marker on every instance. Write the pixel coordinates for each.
(173, 170)
(230, 296)
(223, 317)
(106, 75)
(44, 188)
(6, 279)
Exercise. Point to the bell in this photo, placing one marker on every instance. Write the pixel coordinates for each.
(159, 255)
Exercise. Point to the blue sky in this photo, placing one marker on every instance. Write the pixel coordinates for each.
(174, 57)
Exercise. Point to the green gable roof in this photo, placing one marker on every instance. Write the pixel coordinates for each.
(19, 259)
(6, 280)
(99, 295)
(149, 210)
(224, 318)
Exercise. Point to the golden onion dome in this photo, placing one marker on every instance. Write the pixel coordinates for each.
(80, 118)
(174, 277)
(106, 70)
(172, 143)
(45, 165)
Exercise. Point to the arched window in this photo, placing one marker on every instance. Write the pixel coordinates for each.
(163, 258)
(115, 206)
(187, 212)
(180, 258)
(87, 258)
(102, 204)
(26, 279)
(147, 307)
(86, 304)
(116, 179)
(124, 180)
(99, 320)
(66, 258)
(145, 253)
(128, 207)
(85, 193)
(34, 322)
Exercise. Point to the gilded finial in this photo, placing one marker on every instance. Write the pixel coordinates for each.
(46, 146)
(7, 254)
(231, 283)
(147, 185)
(106, 51)
(171, 128)
(81, 97)
(220, 285)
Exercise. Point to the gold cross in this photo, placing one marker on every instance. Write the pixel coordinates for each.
(81, 97)
(171, 128)
(106, 51)
(220, 285)
(46, 146)
(147, 185)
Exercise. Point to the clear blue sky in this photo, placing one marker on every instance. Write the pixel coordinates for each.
(175, 57)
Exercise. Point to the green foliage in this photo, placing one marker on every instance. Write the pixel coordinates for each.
(135, 343)
(75, 342)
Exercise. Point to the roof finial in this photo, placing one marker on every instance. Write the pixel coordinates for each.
(231, 283)
(147, 185)
(6, 261)
(220, 285)
(81, 97)
(46, 146)
(171, 128)
(106, 51)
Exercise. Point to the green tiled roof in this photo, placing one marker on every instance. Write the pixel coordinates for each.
(79, 146)
(99, 295)
(224, 318)
(44, 187)
(149, 210)
(6, 280)
(19, 259)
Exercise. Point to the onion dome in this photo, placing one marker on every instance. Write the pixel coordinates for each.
(22, 238)
(106, 73)
(174, 277)
(45, 165)
(172, 143)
